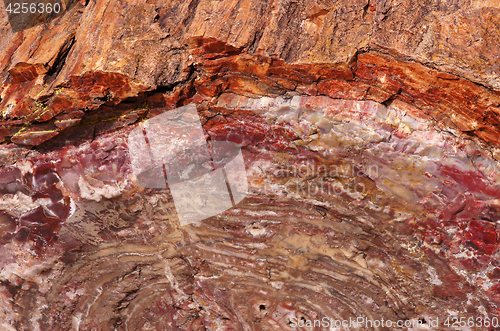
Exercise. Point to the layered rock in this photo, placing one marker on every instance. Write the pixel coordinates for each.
(369, 131)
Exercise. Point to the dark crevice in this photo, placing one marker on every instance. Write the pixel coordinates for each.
(487, 220)
(71, 135)
(391, 99)
(129, 296)
(59, 61)
(253, 44)
(193, 5)
(170, 87)
(252, 47)
(293, 11)
(365, 9)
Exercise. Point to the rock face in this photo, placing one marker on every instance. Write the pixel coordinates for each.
(370, 134)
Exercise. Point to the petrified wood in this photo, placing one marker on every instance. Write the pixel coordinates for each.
(370, 134)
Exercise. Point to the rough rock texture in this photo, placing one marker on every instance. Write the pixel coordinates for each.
(370, 132)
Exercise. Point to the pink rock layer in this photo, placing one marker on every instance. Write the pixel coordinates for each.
(355, 209)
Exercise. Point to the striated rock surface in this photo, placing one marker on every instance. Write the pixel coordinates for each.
(370, 134)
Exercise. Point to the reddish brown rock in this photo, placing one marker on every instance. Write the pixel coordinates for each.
(369, 132)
